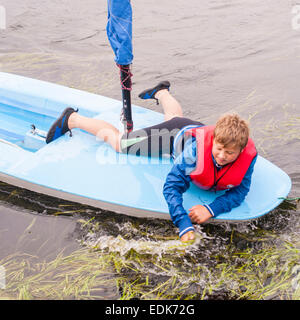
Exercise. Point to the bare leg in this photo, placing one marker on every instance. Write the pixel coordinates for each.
(170, 105)
(189, 236)
(100, 128)
(110, 134)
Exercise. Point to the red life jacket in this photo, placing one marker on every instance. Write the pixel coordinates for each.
(206, 176)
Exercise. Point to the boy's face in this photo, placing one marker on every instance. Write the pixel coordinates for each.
(224, 155)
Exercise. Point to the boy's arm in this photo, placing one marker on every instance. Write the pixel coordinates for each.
(234, 197)
(177, 182)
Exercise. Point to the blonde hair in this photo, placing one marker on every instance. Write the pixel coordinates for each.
(231, 130)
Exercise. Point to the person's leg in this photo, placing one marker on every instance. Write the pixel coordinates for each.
(171, 106)
(100, 128)
(160, 93)
(70, 119)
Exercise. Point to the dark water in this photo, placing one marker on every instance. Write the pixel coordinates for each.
(220, 56)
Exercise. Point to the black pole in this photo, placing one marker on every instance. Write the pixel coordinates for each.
(126, 115)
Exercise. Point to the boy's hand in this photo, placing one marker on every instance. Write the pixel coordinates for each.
(199, 214)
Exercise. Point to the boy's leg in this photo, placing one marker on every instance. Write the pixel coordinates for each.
(161, 94)
(99, 128)
(189, 236)
(171, 106)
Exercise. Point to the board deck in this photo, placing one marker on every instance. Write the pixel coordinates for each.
(86, 170)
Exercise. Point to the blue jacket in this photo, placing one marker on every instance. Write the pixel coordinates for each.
(178, 181)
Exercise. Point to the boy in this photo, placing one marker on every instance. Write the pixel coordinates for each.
(213, 158)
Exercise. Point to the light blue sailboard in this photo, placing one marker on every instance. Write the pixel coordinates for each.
(85, 170)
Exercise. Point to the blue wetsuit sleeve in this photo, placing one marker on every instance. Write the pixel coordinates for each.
(233, 197)
(177, 182)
